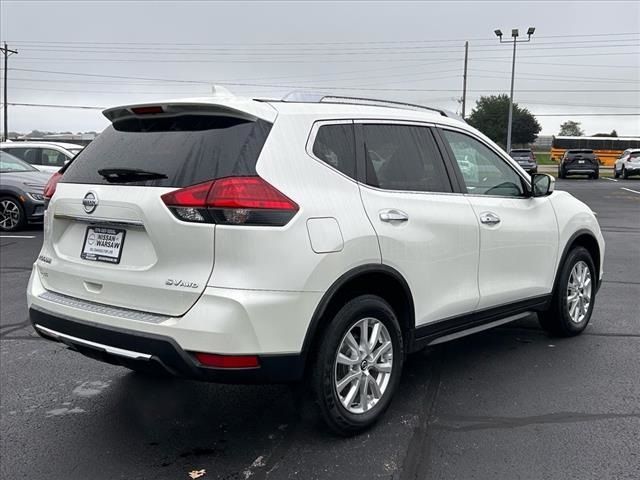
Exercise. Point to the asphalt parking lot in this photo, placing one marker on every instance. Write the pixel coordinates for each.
(504, 404)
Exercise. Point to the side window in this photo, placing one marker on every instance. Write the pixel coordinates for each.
(53, 158)
(484, 172)
(29, 155)
(335, 146)
(403, 157)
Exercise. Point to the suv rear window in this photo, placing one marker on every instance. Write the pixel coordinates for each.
(187, 149)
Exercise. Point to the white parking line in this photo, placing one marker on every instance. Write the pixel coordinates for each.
(17, 236)
(612, 179)
(629, 190)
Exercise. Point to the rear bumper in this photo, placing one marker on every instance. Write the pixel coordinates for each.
(581, 169)
(268, 324)
(156, 353)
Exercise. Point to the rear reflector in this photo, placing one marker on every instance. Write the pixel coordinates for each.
(147, 110)
(227, 361)
(232, 201)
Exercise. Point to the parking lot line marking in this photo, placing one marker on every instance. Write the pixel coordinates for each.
(17, 236)
(629, 190)
(612, 179)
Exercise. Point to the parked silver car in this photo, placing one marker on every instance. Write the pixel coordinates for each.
(21, 193)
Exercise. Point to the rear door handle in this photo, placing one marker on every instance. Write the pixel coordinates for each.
(393, 215)
(489, 218)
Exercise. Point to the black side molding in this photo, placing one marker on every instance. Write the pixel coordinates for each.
(423, 335)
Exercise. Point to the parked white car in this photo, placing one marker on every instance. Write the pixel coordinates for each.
(628, 164)
(45, 156)
(239, 240)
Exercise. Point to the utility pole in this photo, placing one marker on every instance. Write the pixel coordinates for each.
(464, 78)
(7, 53)
(514, 34)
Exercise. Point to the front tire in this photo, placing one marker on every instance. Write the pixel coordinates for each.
(615, 172)
(358, 365)
(12, 217)
(574, 296)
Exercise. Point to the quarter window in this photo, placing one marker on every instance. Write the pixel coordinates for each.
(335, 146)
(403, 157)
(484, 172)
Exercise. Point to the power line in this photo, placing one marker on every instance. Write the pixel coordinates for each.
(248, 84)
(307, 52)
(351, 42)
(300, 60)
(83, 107)
(54, 106)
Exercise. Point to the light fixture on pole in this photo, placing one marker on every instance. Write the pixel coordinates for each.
(514, 34)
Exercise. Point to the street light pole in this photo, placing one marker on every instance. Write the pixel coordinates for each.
(513, 75)
(514, 34)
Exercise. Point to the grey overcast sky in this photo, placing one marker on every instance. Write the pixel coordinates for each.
(584, 57)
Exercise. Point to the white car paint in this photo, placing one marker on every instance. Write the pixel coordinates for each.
(257, 288)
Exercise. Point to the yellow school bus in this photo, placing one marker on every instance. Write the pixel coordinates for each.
(607, 149)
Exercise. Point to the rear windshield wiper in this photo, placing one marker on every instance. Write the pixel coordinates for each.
(125, 175)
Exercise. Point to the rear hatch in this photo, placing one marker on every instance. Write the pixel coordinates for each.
(581, 159)
(110, 236)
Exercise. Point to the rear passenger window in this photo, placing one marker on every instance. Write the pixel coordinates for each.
(335, 146)
(403, 157)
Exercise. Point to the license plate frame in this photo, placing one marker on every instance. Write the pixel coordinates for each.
(103, 253)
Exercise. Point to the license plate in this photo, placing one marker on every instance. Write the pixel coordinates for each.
(580, 161)
(103, 244)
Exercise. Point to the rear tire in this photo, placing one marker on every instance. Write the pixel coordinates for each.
(574, 296)
(596, 176)
(12, 216)
(354, 380)
(625, 175)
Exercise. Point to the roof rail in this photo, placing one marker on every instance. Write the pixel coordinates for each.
(313, 97)
(378, 102)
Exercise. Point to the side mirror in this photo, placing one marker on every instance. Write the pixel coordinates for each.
(542, 185)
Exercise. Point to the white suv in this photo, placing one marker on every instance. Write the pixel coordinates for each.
(239, 240)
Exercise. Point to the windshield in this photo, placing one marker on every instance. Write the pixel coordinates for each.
(9, 163)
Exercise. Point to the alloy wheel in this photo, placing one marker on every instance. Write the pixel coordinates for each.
(579, 292)
(9, 214)
(363, 365)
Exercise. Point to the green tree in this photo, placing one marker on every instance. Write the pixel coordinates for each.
(571, 129)
(491, 115)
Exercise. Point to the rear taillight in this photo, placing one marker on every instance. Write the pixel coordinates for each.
(50, 187)
(227, 361)
(232, 201)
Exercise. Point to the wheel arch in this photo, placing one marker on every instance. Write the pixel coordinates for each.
(376, 279)
(584, 238)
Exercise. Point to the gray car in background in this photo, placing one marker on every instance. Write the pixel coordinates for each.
(525, 158)
(21, 193)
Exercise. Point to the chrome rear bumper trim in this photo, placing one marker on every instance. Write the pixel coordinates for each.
(64, 338)
(102, 309)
